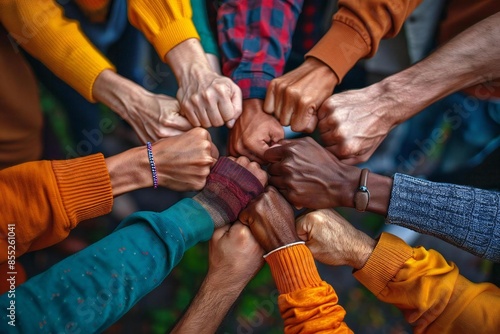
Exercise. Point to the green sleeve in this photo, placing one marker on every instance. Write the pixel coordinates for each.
(92, 289)
(200, 20)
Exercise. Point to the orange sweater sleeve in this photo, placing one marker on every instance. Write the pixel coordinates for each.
(430, 292)
(307, 304)
(44, 200)
(164, 23)
(42, 30)
(356, 31)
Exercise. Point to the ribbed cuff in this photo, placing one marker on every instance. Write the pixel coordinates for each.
(340, 48)
(228, 190)
(384, 263)
(85, 187)
(293, 269)
(175, 33)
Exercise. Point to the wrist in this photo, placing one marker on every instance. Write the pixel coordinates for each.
(321, 70)
(188, 60)
(129, 171)
(364, 249)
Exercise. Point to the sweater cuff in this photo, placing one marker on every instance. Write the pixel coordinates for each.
(85, 187)
(384, 263)
(175, 33)
(293, 269)
(340, 48)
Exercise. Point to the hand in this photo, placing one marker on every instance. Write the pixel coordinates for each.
(254, 132)
(354, 123)
(253, 168)
(207, 99)
(271, 220)
(309, 176)
(151, 116)
(333, 240)
(295, 97)
(234, 256)
(183, 162)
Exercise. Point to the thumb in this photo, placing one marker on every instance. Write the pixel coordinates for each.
(220, 232)
(303, 228)
(269, 101)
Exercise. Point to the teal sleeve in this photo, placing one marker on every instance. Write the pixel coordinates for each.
(200, 20)
(90, 290)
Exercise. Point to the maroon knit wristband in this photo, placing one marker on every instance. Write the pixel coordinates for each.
(228, 190)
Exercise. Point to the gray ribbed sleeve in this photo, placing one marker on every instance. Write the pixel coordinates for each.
(466, 217)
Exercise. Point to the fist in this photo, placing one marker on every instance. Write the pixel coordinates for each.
(183, 162)
(252, 167)
(271, 220)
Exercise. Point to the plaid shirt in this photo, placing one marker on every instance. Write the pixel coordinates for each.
(255, 39)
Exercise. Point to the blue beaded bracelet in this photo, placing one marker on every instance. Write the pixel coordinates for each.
(152, 164)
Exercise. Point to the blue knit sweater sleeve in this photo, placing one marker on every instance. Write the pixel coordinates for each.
(89, 291)
(466, 217)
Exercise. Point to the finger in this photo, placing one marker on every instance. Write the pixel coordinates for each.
(311, 126)
(324, 110)
(302, 118)
(270, 101)
(182, 123)
(220, 232)
(188, 112)
(279, 95)
(230, 123)
(226, 108)
(214, 152)
(203, 117)
(288, 109)
(275, 153)
(237, 101)
(214, 116)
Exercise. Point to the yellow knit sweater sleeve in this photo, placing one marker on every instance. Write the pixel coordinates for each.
(42, 30)
(164, 23)
(430, 292)
(307, 304)
(43, 200)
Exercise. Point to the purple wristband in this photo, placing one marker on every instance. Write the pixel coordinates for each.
(152, 164)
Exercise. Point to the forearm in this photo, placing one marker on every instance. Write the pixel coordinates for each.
(129, 171)
(58, 42)
(379, 187)
(272, 31)
(470, 58)
(466, 217)
(59, 195)
(357, 29)
(107, 278)
(209, 306)
(202, 24)
(187, 59)
(432, 295)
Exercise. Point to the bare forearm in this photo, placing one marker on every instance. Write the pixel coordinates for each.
(209, 307)
(184, 56)
(471, 58)
(129, 171)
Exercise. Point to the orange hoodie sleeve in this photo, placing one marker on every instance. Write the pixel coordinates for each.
(164, 23)
(430, 292)
(43, 200)
(356, 31)
(307, 304)
(42, 30)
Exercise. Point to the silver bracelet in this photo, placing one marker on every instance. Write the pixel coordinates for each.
(283, 247)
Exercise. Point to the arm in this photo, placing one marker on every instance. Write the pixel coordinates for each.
(207, 38)
(206, 98)
(466, 217)
(61, 194)
(107, 278)
(311, 177)
(234, 259)
(255, 38)
(430, 292)
(356, 30)
(354, 123)
(307, 304)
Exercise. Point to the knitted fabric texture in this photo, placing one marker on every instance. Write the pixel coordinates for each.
(228, 190)
(466, 217)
